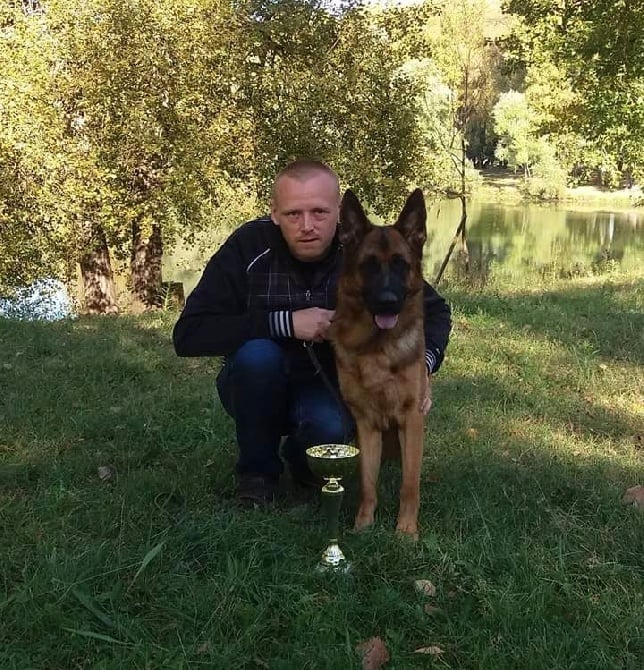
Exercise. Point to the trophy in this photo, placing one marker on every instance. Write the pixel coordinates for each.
(332, 462)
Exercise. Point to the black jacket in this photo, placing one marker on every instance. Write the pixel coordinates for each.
(251, 287)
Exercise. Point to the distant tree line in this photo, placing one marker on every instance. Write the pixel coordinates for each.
(126, 125)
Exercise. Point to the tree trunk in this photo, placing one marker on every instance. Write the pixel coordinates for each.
(464, 250)
(99, 290)
(145, 265)
(461, 231)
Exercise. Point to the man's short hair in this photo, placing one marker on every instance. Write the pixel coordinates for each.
(302, 170)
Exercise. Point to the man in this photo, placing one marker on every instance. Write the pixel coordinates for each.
(264, 297)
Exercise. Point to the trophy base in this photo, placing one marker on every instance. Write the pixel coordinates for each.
(333, 560)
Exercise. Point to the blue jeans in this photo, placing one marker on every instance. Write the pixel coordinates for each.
(259, 391)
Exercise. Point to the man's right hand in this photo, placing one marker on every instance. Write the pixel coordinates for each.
(312, 323)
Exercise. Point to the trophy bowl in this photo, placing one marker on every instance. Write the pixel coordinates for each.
(332, 462)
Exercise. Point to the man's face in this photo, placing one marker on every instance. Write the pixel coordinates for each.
(307, 213)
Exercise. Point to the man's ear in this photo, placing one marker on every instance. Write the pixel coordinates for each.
(273, 210)
(412, 221)
(354, 224)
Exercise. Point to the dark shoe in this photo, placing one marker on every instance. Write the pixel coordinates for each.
(256, 490)
(303, 477)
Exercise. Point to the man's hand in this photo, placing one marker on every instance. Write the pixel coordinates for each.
(426, 403)
(312, 323)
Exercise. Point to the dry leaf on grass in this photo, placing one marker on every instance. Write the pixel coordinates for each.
(204, 647)
(374, 653)
(472, 433)
(425, 587)
(433, 650)
(106, 472)
(634, 496)
(431, 609)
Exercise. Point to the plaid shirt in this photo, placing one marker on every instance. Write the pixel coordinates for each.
(249, 289)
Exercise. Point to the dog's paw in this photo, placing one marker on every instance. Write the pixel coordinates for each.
(407, 529)
(363, 520)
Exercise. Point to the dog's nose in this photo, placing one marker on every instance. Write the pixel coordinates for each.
(387, 300)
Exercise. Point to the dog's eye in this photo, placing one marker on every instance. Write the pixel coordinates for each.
(398, 264)
(370, 265)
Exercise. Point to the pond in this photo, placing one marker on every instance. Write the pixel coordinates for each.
(505, 241)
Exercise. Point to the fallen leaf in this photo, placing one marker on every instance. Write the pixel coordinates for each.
(106, 472)
(634, 496)
(603, 366)
(425, 587)
(472, 433)
(431, 609)
(433, 650)
(374, 653)
(204, 648)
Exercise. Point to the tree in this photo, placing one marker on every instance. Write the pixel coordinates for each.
(156, 115)
(459, 87)
(597, 45)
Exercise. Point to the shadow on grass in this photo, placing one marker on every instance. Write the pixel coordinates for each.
(607, 318)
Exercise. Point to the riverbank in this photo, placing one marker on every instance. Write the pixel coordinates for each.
(504, 186)
(120, 545)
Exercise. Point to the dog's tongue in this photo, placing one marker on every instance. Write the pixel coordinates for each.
(386, 321)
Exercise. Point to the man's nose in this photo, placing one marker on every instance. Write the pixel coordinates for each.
(306, 222)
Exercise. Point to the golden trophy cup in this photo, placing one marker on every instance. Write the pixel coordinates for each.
(332, 462)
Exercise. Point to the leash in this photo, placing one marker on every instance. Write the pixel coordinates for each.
(346, 429)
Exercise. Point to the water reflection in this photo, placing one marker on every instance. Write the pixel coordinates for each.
(515, 241)
(530, 239)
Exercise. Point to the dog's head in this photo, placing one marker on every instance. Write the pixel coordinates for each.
(385, 262)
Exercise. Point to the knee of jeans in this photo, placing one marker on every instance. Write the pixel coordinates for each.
(327, 428)
(259, 358)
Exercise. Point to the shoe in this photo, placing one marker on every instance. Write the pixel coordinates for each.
(303, 477)
(256, 490)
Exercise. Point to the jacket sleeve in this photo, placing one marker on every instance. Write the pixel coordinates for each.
(438, 325)
(215, 320)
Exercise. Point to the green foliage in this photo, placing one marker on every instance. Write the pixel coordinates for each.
(164, 112)
(516, 123)
(547, 180)
(453, 71)
(595, 49)
(515, 126)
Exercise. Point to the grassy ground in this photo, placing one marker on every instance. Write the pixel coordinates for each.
(535, 434)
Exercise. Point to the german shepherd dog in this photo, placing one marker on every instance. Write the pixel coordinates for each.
(378, 338)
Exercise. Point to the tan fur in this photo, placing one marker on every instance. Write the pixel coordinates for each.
(383, 379)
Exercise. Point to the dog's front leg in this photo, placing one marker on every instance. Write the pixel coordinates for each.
(411, 448)
(370, 443)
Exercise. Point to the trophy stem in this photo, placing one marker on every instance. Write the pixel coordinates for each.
(332, 556)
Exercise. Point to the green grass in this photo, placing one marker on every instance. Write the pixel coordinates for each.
(535, 433)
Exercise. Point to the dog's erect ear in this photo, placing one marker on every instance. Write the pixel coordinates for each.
(354, 224)
(411, 223)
